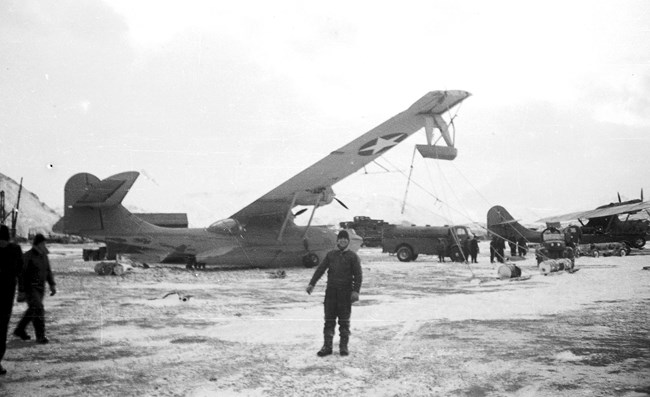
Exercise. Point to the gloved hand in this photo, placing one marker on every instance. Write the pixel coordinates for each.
(52, 291)
(309, 289)
(22, 297)
(354, 296)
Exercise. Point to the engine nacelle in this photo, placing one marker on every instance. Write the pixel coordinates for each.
(321, 196)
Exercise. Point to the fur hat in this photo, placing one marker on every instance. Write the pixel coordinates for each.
(39, 238)
(343, 234)
(4, 233)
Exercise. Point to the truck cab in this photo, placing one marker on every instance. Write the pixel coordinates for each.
(553, 246)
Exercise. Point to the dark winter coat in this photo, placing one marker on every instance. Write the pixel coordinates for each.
(11, 264)
(36, 271)
(343, 270)
(473, 246)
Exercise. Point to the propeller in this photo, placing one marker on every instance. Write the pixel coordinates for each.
(619, 196)
(342, 204)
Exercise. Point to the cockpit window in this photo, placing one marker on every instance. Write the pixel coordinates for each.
(225, 226)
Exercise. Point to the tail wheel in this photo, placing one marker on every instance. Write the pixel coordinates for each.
(404, 254)
(456, 254)
(310, 260)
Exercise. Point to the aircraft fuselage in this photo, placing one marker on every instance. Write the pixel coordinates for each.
(252, 247)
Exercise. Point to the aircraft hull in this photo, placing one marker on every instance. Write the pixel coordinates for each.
(257, 248)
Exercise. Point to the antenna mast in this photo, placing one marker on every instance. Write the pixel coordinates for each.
(14, 212)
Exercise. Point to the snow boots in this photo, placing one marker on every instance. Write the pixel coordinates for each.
(343, 345)
(326, 350)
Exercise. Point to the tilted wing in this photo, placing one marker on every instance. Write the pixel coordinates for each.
(612, 209)
(314, 185)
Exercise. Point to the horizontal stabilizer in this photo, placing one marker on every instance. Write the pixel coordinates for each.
(507, 222)
(86, 190)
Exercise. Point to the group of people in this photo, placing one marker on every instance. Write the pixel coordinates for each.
(469, 249)
(498, 247)
(29, 273)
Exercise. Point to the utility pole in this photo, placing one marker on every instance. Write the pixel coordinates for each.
(14, 213)
(3, 215)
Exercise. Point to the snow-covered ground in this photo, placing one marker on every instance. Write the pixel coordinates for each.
(421, 328)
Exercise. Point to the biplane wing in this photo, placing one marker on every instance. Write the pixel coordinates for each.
(313, 186)
(607, 210)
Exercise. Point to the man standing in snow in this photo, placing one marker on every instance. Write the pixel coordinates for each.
(473, 249)
(11, 263)
(343, 285)
(36, 272)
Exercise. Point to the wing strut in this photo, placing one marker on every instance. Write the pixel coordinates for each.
(311, 216)
(305, 242)
(408, 181)
(431, 150)
(286, 217)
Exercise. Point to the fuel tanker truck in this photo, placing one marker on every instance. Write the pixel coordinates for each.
(407, 242)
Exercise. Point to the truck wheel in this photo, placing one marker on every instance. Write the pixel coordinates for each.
(595, 254)
(456, 255)
(622, 252)
(310, 260)
(638, 242)
(404, 254)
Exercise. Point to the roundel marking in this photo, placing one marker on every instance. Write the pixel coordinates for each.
(381, 144)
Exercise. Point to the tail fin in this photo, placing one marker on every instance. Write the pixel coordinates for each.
(93, 207)
(86, 190)
(501, 223)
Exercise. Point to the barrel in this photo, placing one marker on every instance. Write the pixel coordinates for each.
(104, 268)
(509, 270)
(555, 265)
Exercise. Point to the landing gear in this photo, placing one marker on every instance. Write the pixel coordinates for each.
(310, 260)
(193, 264)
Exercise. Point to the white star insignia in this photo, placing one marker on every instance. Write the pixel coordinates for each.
(381, 144)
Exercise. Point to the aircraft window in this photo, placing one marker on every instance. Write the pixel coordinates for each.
(225, 226)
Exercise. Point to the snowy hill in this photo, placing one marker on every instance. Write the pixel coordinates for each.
(32, 215)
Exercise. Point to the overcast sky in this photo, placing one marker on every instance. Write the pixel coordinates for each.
(216, 103)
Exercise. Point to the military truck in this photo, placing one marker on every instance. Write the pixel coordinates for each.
(554, 245)
(407, 242)
(369, 229)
